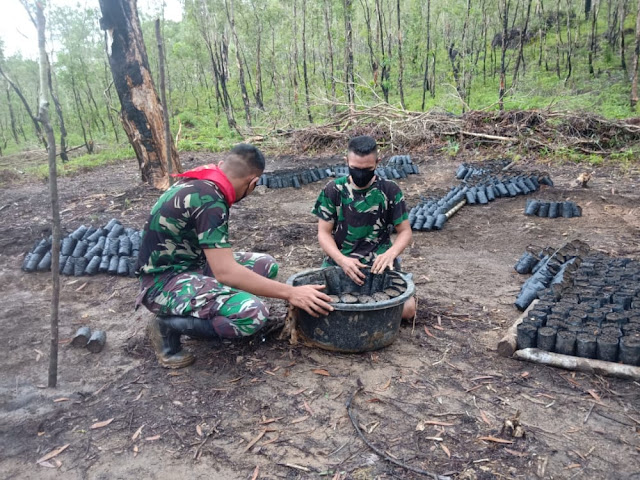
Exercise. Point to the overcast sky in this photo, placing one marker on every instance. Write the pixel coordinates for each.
(19, 34)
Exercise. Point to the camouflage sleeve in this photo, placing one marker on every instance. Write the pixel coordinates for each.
(397, 206)
(210, 216)
(325, 207)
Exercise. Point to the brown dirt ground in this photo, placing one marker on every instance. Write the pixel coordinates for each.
(256, 409)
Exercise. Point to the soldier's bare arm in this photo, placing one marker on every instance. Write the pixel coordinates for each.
(385, 260)
(351, 266)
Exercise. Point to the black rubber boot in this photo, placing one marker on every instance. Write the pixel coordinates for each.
(165, 335)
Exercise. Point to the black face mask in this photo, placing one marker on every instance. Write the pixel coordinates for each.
(361, 176)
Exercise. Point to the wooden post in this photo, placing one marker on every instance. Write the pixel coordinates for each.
(509, 342)
(43, 118)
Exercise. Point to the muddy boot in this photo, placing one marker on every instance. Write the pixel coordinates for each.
(164, 333)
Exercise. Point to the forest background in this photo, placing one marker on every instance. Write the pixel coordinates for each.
(254, 68)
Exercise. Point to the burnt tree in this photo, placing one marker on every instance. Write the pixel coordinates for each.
(141, 111)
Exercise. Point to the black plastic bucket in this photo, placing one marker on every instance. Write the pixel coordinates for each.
(354, 327)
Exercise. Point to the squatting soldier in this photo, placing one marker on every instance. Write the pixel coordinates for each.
(189, 276)
(357, 215)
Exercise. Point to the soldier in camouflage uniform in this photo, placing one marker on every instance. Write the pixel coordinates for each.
(357, 215)
(190, 278)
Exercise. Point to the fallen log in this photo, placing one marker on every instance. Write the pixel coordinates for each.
(587, 365)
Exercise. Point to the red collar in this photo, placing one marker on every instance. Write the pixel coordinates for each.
(214, 174)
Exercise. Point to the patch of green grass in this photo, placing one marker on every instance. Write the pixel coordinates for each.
(83, 163)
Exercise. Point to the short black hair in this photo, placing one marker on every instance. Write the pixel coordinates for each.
(363, 145)
(251, 160)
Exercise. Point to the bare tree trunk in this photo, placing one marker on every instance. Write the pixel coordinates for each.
(569, 44)
(327, 24)
(88, 142)
(141, 112)
(503, 69)
(427, 58)
(348, 60)
(372, 56)
(258, 93)
(294, 70)
(163, 96)
(108, 99)
(623, 13)
(558, 38)
(400, 65)
(304, 59)
(384, 63)
(12, 116)
(63, 131)
(636, 54)
(592, 48)
(243, 85)
(43, 117)
(523, 35)
(15, 88)
(95, 112)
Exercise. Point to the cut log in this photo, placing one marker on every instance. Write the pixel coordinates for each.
(587, 365)
(509, 342)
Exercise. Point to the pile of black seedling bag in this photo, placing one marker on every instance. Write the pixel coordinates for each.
(111, 249)
(396, 167)
(479, 186)
(541, 208)
(594, 313)
(548, 267)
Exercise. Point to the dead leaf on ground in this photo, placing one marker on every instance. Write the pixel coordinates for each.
(255, 473)
(102, 424)
(515, 453)
(308, 408)
(53, 453)
(484, 418)
(135, 450)
(267, 421)
(199, 430)
(384, 387)
(151, 439)
(254, 441)
(299, 419)
(137, 434)
(495, 440)
(61, 399)
(321, 371)
(446, 450)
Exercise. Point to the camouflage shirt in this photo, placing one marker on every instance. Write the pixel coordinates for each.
(190, 216)
(362, 219)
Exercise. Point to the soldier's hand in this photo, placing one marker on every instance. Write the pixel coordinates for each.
(352, 267)
(382, 262)
(311, 299)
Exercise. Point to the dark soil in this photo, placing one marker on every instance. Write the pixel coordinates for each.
(437, 399)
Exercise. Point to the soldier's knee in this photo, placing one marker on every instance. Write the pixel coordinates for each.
(242, 316)
(266, 266)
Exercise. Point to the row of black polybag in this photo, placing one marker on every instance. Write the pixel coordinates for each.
(541, 208)
(89, 250)
(430, 213)
(396, 167)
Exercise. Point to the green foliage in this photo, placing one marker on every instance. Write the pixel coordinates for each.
(82, 75)
(83, 163)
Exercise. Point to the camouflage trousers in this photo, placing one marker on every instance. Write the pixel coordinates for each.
(233, 313)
